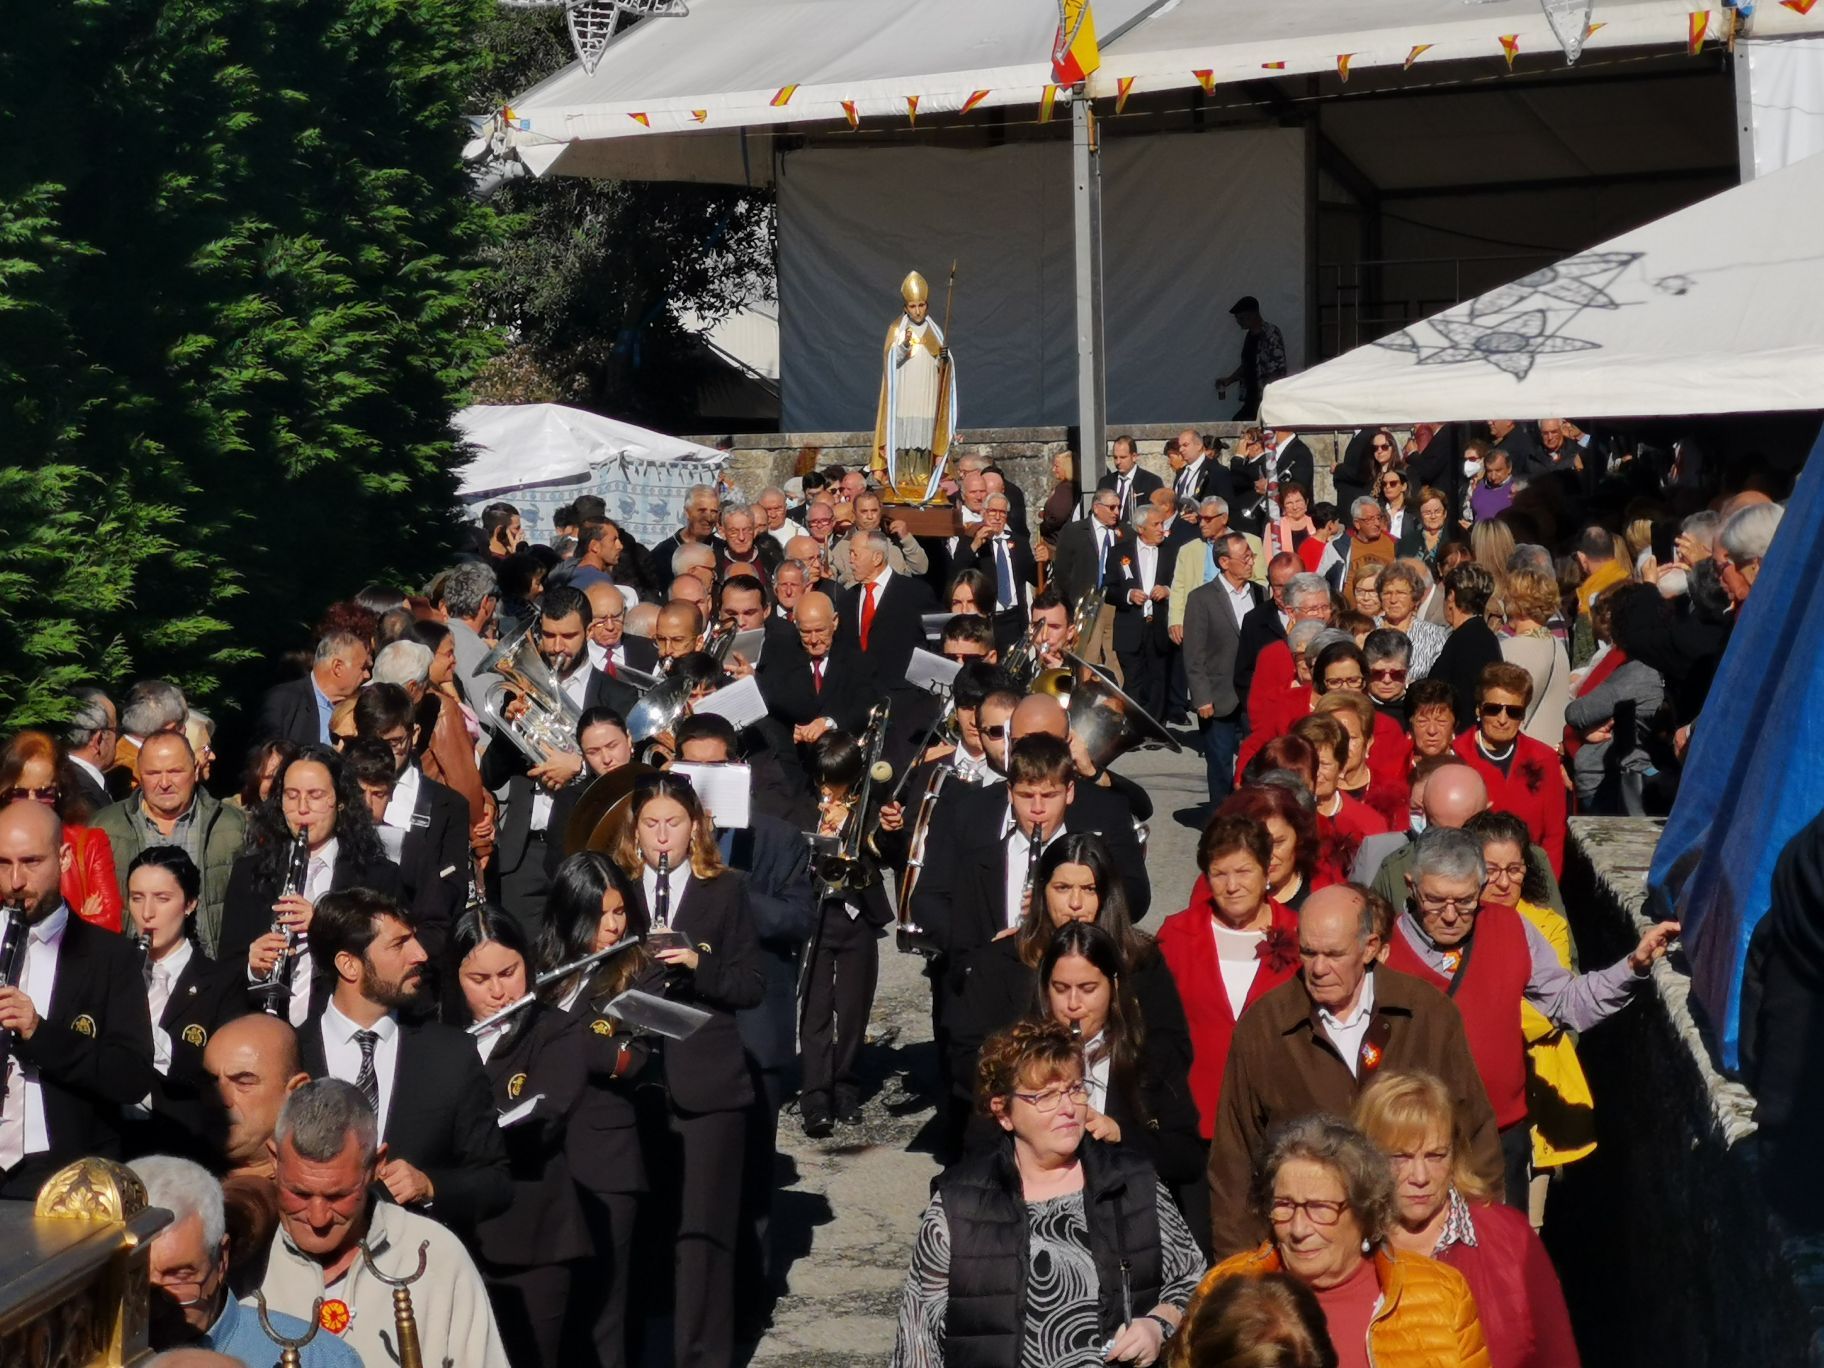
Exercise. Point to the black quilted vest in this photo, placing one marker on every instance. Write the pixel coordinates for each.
(986, 1214)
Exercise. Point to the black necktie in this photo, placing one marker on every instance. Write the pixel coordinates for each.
(365, 1080)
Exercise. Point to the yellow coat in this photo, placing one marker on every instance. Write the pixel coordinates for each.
(1557, 1093)
(1427, 1316)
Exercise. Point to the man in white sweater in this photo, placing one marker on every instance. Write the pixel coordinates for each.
(326, 1147)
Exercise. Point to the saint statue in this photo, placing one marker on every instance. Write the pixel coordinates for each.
(917, 414)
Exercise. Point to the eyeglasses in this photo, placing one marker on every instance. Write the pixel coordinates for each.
(996, 732)
(1211, 517)
(1386, 673)
(1317, 1212)
(1513, 873)
(1048, 1101)
(1432, 906)
(1353, 681)
(1515, 711)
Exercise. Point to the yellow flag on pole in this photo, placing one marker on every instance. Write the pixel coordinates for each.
(1074, 53)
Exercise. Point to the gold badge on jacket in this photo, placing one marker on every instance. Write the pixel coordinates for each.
(84, 1025)
(195, 1035)
(703, 946)
(515, 1086)
(602, 1026)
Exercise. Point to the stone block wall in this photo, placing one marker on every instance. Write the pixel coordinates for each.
(1668, 1253)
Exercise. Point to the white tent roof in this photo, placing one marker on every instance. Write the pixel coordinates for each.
(695, 97)
(522, 445)
(1709, 310)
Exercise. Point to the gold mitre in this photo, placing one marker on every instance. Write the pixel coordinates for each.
(914, 290)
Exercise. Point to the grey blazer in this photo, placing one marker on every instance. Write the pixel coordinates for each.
(1211, 642)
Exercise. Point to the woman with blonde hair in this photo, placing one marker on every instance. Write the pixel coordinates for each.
(1491, 543)
(1273, 1321)
(1443, 1212)
(1530, 598)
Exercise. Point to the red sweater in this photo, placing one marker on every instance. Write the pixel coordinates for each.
(1524, 1320)
(1532, 789)
(1490, 986)
(1189, 948)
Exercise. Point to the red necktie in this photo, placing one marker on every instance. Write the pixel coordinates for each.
(817, 676)
(609, 670)
(867, 612)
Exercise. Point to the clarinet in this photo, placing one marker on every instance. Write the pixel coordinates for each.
(275, 988)
(1035, 850)
(14, 930)
(661, 910)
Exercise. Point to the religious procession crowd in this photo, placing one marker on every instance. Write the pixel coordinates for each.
(522, 922)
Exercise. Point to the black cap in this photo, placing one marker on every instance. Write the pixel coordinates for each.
(1246, 304)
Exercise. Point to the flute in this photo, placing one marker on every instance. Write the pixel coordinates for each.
(551, 976)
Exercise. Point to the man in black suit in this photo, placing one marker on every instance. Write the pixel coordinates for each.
(423, 1079)
(1084, 553)
(830, 684)
(882, 614)
(89, 739)
(1292, 459)
(998, 483)
(1130, 484)
(1267, 623)
(1214, 614)
(298, 710)
(1139, 585)
(1197, 471)
(1471, 643)
(1007, 560)
(80, 1029)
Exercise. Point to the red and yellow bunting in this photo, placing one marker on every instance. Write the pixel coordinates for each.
(1589, 30)
(641, 120)
(1074, 52)
(1342, 65)
(1418, 51)
(783, 96)
(1699, 26)
(699, 116)
(1046, 101)
(974, 100)
(1510, 44)
(1798, 6)
(1123, 87)
(912, 110)
(1272, 66)
(854, 117)
(1207, 79)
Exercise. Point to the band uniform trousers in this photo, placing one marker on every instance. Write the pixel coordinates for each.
(839, 995)
(525, 888)
(1100, 649)
(597, 1327)
(529, 1307)
(713, 1146)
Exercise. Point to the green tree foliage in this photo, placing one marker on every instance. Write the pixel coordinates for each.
(236, 263)
(589, 277)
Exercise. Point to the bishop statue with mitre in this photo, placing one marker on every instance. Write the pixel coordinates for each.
(917, 414)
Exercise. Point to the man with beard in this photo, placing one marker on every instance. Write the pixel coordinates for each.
(443, 1152)
(81, 1034)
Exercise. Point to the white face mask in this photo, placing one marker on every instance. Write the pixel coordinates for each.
(1472, 468)
(1415, 823)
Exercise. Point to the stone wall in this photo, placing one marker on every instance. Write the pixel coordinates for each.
(1024, 454)
(1663, 1240)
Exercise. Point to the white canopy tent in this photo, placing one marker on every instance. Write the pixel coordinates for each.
(539, 457)
(1709, 310)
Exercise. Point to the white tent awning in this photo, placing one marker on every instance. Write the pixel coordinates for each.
(520, 445)
(1709, 310)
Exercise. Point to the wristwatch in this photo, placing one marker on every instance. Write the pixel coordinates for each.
(1166, 1328)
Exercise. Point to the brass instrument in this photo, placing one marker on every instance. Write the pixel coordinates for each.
(548, 723)
(15, 930)
(1057, 681)
(838, 865)
(1022, 661)
(596, 821)
(405, 1322)
(1102, 717)
(275, 988)
(551, 976)
(667, 703)
(289, 1355)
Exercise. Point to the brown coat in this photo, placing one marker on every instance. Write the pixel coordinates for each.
(449, 758)
(1282, 1066)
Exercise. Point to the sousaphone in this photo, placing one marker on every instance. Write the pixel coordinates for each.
(1105, 719)
(599, 814)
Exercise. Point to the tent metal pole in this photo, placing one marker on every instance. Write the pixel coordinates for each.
(1744, 110)
(1086, 204)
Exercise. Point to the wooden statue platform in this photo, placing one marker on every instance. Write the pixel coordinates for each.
(933, 520)
(74, 1270)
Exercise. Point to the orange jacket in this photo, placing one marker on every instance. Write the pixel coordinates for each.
(91, 874)
(1426, 1317)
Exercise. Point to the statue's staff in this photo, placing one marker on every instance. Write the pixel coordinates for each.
(943, 387)
(405, 1320)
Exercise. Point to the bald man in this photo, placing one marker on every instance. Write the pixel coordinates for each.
(811, 552)
(254, 1062)
(81, 1033)
(607, 626)
(830, 684)
(1043, 713)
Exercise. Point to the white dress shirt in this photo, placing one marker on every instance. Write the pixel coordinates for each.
(161, 981)
(1348, 1032)
(1019, 855)
(1186, 483)
(485, 1042)
(1241, 601)
(677, 879)
(1146, 573)
(1095, 1075)
(342, 1054)
(405, 798)
(22, 1126)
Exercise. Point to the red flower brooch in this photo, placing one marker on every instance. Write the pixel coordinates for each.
(1278, 950)
(334, 1316)
(1371, 1056)
(1532, 774)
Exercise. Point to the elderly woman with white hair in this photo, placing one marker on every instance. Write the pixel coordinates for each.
(1403, 587)
(191, 1305)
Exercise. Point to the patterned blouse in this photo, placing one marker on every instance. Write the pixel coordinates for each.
(1062, 1329)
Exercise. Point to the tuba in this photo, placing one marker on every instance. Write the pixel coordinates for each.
(667, 702)
(1105, 719)
(549, 722)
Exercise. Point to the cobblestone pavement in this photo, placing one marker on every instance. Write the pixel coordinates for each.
(848, 1212)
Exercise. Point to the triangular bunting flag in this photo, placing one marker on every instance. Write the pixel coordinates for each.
(1700, 25)
(1074, 52)
(1510, 44)
(1046, 101)
(641, 120)
(1122, 87)
(848, 108)
(1342, 65)
(1589, 30)
(1206, 79)
(973, 101)
(912, 110)
(1418, 51)
(1272, 66)
(1798, 6)
(699, 115)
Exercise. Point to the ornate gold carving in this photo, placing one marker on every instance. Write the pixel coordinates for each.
(92, 1190)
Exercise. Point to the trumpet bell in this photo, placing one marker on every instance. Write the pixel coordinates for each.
(1106, 720)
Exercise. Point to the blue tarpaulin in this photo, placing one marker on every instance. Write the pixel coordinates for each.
(1753, 775)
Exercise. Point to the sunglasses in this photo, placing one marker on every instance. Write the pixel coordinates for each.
(1516, 712)
(1386, 672)
(996, 732)
(1383, 446)
(962, 655)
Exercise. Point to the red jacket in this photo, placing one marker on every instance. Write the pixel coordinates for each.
(92, 872)
(1490, 986)
(1532, 789)
(1189, 948)
(1524, 1319)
